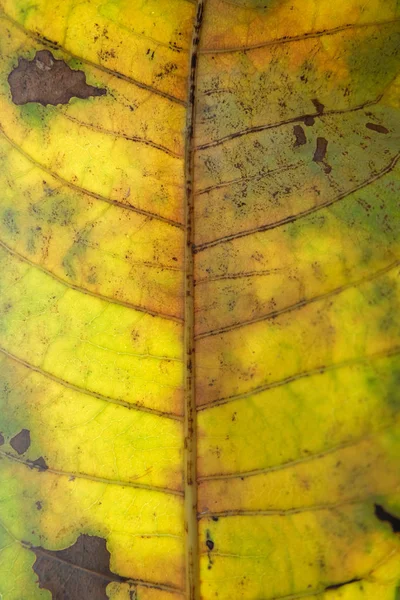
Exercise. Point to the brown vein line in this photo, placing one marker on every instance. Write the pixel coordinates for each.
(297, 38)
(316, 371)
(282, 512)
(258, 128)
(87, 292)
(305, 213)
(75, 388)
(55, 45)
(81, 190)
(240, 275)
(130, 138)
(113, 577)
(256, 177)
(190, 425)
(299, 461)
(301, 304)
(86, 477)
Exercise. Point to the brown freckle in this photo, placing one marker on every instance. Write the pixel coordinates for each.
(39, 505)
(1, 439)
(21, 442)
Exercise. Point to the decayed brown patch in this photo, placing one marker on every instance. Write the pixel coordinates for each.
(48, 81)
(80, 571)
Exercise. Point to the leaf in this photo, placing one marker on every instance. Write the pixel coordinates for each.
(199, 301)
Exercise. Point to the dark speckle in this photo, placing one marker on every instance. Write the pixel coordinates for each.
(1, 439)
(377, 128)
(39, 505)
(21, 442)
(48, 81)
(210, 544)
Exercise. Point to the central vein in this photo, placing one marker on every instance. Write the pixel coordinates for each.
(190, 445)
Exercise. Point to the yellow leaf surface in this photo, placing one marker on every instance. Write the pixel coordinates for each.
(199, 302)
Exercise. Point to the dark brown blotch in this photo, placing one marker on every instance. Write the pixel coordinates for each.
(48, 81)
(377, 128)
(2, 440)
(300, 136)
(21, 442)
(80, 571)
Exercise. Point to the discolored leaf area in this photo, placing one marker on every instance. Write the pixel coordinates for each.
(81, 571)
(48, 81)
(199, 300)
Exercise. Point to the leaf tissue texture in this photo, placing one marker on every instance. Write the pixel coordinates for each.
(199, 300)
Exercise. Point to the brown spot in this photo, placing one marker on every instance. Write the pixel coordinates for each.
(320, 151)
(80, 571)
(1, 439)
(40, 464)
(318, 105)
(300, 136)
(39, 505)
(21, 442)
(378, 128)
(48, 81)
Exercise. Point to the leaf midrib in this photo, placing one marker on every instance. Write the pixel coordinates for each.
(190, 425)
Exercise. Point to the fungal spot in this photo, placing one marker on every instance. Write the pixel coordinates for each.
(318, 105)
(80, 571)
(40, 464)
(377, 128)
(39, 505)
(21, 442)
(48, 81)
(300, 136)
(386, 517)
(1, 439)
(216, 519)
